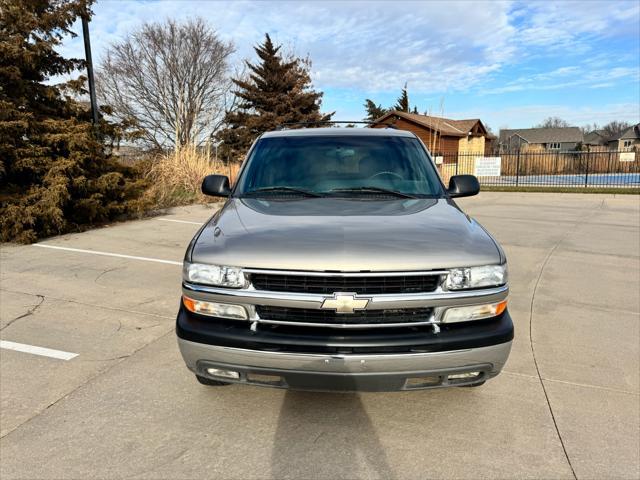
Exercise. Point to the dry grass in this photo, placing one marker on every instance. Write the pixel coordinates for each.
(176, 177)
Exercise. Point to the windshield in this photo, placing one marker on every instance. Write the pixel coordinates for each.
(340, 165)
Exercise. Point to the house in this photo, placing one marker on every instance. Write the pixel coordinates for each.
(441, 135)
(627, 140)
(540, 139)
(596, 138)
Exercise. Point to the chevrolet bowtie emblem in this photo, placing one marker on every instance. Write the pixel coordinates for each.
(344, 303)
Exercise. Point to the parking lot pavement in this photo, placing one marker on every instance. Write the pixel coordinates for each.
(567, 404)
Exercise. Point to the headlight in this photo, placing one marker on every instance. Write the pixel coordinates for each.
(217, 275)
(213, 309)
(477, 277)
(473, 312)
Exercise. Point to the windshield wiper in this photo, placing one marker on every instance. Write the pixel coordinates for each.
(299, 191)
(385, 191)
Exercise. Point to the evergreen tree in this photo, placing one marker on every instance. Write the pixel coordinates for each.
(373, 111)
(278, 90)
(54, 172)
(402, 104)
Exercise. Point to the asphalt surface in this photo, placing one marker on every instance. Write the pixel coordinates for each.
(566, 406)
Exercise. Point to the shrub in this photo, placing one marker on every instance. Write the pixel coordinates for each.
(55, 174)
(175, 178)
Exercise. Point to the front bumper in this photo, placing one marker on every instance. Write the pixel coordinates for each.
(345, 361)
(386, 372)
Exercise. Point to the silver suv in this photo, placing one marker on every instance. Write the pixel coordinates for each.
(340, 262)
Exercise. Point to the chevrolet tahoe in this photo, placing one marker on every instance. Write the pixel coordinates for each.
(340, 262)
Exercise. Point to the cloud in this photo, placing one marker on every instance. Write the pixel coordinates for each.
(458, 49)
(567, 77)
(525, 116)
(574, 24)
(434, 46)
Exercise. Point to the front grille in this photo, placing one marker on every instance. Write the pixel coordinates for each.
(330, 284)
(328, 317)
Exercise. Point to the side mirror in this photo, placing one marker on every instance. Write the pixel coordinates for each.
(216, 186)
(463, 186)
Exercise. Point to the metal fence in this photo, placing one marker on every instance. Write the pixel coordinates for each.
(604, 169)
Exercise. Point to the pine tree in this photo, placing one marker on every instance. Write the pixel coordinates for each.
(278, 90)
(54, 172)
(373, 111)
(402, 104)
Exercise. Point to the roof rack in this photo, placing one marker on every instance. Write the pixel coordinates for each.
(283, 126)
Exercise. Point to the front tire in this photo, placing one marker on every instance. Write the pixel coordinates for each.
(209, 382)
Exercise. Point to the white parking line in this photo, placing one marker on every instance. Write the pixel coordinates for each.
(178, 221)
(107, 254)
(44, 352)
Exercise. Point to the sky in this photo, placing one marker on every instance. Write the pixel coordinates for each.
(509, 63)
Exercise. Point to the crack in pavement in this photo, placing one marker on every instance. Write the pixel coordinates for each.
(104, 272)
(106, 307)
(86, 382)
(135, 327)
(118, 359)
(531, 342)
(29, 312)
(566, 382)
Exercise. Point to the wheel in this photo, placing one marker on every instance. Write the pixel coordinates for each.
(479, 384)
(210, 382)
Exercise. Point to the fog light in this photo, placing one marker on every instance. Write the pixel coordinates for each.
(464, 375)
(213, 309)
(264, 379)
(421, 382)
(474, 312)
(216, 372)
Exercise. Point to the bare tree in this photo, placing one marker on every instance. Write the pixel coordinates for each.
(169, 81)
(590, 127)
(553, 122)
(615, 128)
(611, 130)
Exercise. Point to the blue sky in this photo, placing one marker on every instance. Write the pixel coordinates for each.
(509, 63)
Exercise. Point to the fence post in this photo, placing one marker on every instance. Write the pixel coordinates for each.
(586, 171)
(518, 168)
(457, 161)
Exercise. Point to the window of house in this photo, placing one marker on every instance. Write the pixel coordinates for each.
(554, 146)
(627, 144)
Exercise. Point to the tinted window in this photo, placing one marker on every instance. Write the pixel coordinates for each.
(323, 164)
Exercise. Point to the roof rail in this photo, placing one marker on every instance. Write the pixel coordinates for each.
(284, 126)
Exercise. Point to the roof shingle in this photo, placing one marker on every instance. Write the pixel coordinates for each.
(632, 133)
(544, 135)
(446, 126)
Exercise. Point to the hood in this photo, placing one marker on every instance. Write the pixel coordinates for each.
(341, 234)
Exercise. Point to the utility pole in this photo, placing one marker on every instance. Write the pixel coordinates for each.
(87, 54)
